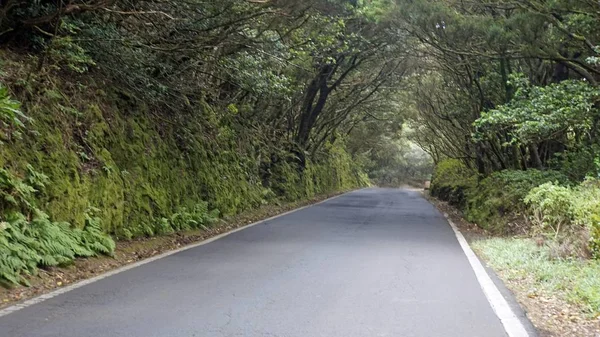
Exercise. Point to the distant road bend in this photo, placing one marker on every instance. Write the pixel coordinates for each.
(375, 262)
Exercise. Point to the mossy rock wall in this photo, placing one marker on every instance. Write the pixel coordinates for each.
(103, 149)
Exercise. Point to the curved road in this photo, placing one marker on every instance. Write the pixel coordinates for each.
(375, 262)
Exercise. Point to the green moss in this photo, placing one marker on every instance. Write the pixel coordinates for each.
(451, 181)
(112, 152)
(287, 181)
(502, 195)
(140, 173)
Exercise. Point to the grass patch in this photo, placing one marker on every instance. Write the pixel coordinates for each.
(521, 260)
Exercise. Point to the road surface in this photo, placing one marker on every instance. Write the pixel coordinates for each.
(375, 262)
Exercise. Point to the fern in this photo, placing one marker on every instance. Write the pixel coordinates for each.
(30, 239)
(200, 217)
(15, 194)
(36, 179)
(26, 244)
(10, 113)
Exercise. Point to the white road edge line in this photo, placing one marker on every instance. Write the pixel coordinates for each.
(512, 324)
(42, 298)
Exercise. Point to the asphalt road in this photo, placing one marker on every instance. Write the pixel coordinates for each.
(376, 262)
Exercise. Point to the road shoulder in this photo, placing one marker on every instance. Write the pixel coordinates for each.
(548, 314)
(130, 254)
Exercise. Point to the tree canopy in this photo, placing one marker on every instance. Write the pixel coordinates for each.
(498, 84)
(504, 84)
(155, 115)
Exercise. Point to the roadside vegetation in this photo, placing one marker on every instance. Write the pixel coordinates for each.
(522, 261)
(510, 109)
(130, 119)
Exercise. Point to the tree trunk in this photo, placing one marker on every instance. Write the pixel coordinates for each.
(310, 109)
(536, 161)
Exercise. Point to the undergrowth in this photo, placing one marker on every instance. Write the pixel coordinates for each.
(521, 260)
(500, 196)
(451, 181)
(568, 215)
(30, 239)
(544, 204)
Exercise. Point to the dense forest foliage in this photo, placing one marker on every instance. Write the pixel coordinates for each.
(507, 103)
(138, 118)
(141, 118)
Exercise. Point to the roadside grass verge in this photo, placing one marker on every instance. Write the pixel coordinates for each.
(522, 261)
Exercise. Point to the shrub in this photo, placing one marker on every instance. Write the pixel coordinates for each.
(502, 195)
(451, 180)
(585, 209)
(551, 207)
(566, 212)
(594, 240)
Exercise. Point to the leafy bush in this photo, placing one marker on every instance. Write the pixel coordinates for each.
(451, 180)
(502, 195)
(551, 206)
(586, 213)
(594, 241)
(566, 212)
